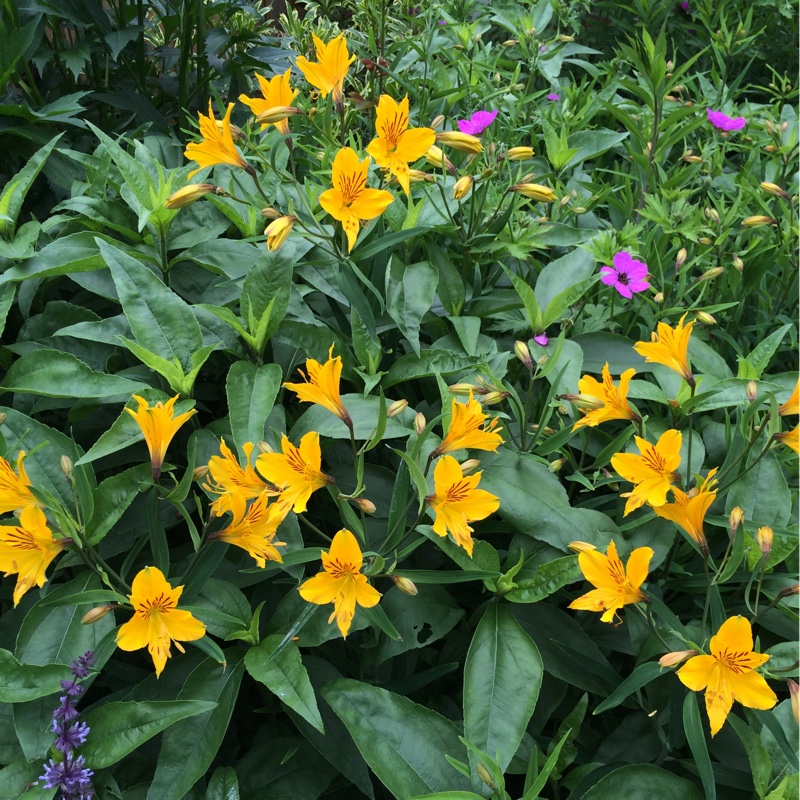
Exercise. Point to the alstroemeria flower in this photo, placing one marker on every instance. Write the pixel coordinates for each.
(341, 582)
(689, 510)
(792, 406)
(217, 146)
(157, 621)
(477, 123)
(397, 145)
(469, 429)
(615, 585)
(276, 93)
(729, 674)
(159, 424)
(27, 549)
(651, 473)
(790, 438)
(235, 484)
(456, 502)
(322, 385)
(255, 530)
(15, 489)
(296, 471)
(329, 71)
(670, 347)
(725, 123)
(350, 201)
(613, 399)
(626, 276)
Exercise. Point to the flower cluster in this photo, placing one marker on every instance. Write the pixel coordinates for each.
(69, 773)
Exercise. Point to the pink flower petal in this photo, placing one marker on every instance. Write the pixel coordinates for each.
(622, 260)
(542, 339)
(610, 278)
(638, 286)
(624, 290)
(723, 122)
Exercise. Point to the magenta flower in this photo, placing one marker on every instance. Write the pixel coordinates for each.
(477, 123)
(685, 6)
(553, 96)
(542, 339)
(626, 276)
(725, 123)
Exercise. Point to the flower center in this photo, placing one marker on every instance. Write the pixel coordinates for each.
(732, 661)
(623, 278)
(394, 128)
(654, 461)
(457, 492)
(351, 186)
(340, 569)
(159, 604)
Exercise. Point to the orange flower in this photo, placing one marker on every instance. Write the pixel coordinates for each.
(234, 484)
(276, 93)
(792, 406)
(468, 429)
(614, 399)
(217, 146)
(689, 510)
(330, 69)
(670, 347)
(322, 385)
(790, 439)
(15, 492)
(256, 529)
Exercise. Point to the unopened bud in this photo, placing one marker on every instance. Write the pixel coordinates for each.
(485, 776)
(493, 398)
(96, 614)
(690, 159)
(405, 585)
(523, 353)
(367, 506)
(271, 213)
(578, 210)
(312, 112)
(199, 473)
(788, 591)
(673, 659)
(464, 142)
(189, 194)
(784, 126)
(681, 258)
(769, 127)
(586, 402)
(236, 132)
(466, 389)
(564, 38)
(420, 423)
(3, 418)
(462, 187)
(418, 176)
(712, 215)
(738, 263)
(510, 42)
(751, 390)
(659, 297)
(735, 519)
(535, 191)
(66, 467)
(398, 407)
(774, 189)
(437, 122)
(470, 466)
(705, 240)
(542, 360)
(757, 221)
(263, 447)
(520, 153)
(580, 547)
(710, 274)
(277, 114)
(764, 537)
(556, 465)
(794, 694)
(770, 148)
(705, 318)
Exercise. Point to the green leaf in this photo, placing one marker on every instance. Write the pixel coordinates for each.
(642, 782)
(532, 791)
(119, 728)
(409, 293)
(161, 321)
(427, 364)
(549, 578)
(417, 476)
(285, 676)
(559, 275)
(224, 785)
(693, 728)
(641, 676)
(760, 764)
(502, 659)
(53, 373)
(16, 780)
(450, 286)
(600, 347)
(561, 302)
(404, 744)
(384, 243)
(22, 682)
(762, 354)
(189, 746)
(588, 144)
(364, 411)
(251, 393)
(265, 295)
(529, 301)
(455, 795)
(762, 493)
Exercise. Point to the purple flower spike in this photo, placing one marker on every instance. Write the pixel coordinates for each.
(725, 123)
(477, 123)
(70, 776)
(626, 276)
(553, 96)
(542, 339)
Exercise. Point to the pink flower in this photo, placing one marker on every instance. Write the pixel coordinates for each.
(477, 123)
(725, 123)
(553, 96)
(541, 339)
(626, 276)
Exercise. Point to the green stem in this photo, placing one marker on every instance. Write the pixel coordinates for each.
(707, 602)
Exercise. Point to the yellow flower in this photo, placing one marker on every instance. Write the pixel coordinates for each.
(790, 439)
(465, 142)
(614, 399)
(276, 93)
(436, 157)
(462, 186)
(350, 201)
(341, 583)
(615, 585)
(758, 220)
(277, 231)
(468, 429)
(234, 484)
(157, 621)
(15, 490)
(189, 194)
(330, 70)
(792, 406)
(535, 191)
(296, 471)
(322, 385)
(670, 347)
(397, 145)
(255, 530)
(158, 425)
(457, 502)
(27, 549)
(689, 510)
(217, 146)
(652, 472)
(729, 674)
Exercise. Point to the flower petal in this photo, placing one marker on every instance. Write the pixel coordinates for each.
(696, 672)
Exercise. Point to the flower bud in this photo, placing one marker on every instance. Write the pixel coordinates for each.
(556, 465)
(492, 398)
(398, 407)
(470, 466)
(586, 402)
(535, 191)
(420, 423)
(542, 360)
(764, 538)
(520, 153)
(673, 659)
(277, 231)
(704, 317)
(436, 157)
(580, 547)
(751, 390)
(712, 215)
(774, 189)
(738, 263)
(485, 776)
(405, 585)
(710, 274)
(659, 297)
(705, 240)
(271, 213)
(277, 114)
(189, 194)
(199, 472)
(578, 210)
(96, 614)
(367, 506)
(418, 176)
(3, 418)
(437, 122)
(466, 389)
(758, 220)
(523, 353)
(788, 591)
(465, 142)
(735, 519)
(263, 447)
(681, 258)
(462, 187)
(794, 694)
(510, 42)
(66, 467)
(770, 148)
